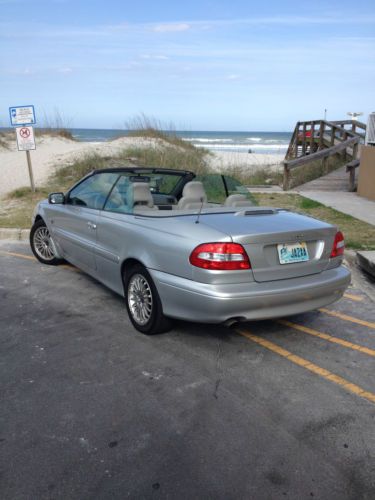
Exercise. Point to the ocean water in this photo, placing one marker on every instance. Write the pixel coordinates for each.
(248, 142)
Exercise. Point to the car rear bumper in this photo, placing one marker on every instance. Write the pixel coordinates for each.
(194, 301)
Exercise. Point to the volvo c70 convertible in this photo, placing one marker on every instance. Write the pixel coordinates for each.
(195, 248)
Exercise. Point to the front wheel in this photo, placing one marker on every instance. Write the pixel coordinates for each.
(143, 302)
(41, 244)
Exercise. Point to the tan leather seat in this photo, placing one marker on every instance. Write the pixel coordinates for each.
(193, 196)
(140, 197)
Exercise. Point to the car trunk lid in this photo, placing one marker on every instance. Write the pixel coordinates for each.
(264, 231)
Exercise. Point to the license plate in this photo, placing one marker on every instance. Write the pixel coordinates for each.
(292, 252)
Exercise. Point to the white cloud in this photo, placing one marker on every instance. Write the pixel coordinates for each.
(171, 27)
(158, 57)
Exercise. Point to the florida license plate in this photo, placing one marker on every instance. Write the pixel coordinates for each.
(292, 252)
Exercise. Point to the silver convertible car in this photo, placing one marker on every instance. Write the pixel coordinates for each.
(196, 248)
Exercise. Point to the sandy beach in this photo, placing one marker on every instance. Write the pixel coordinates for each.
(55, 152)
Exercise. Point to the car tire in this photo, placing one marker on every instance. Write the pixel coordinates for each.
(143, 302)
(40, 242)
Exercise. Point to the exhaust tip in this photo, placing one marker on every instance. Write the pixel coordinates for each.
(232, 321)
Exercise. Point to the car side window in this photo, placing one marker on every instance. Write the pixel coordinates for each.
(118, 201)
(92, 192)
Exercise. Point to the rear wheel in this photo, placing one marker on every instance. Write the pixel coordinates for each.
(41, 244)
(143, 302)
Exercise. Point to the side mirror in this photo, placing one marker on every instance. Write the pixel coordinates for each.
(56, 198)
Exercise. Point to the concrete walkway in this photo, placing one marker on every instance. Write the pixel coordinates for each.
(345, 202)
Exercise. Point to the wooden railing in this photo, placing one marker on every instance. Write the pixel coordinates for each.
(352, 125)
(320, 139)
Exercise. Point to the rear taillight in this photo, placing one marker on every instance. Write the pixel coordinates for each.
(338, 245)
(220, 257)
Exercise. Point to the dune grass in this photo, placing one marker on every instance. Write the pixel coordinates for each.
(168, 156)
(148, 127)
(54, 132)
(265, 176)
(6, 135)
(54, 125)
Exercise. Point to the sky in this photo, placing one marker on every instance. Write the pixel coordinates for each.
(201, 64)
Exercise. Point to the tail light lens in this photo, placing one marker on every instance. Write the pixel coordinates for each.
(220, 257)
(338, 245)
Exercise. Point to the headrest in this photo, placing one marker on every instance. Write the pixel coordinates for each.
(194, 190)
(140, 194)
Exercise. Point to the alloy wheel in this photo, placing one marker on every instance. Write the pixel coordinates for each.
(140, 299)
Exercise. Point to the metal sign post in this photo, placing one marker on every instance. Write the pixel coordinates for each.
(22, 117)
(30, 167)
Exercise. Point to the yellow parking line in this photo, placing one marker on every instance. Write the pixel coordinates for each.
(30, 257)
(345, 317)
(325, 336)
(21, 255)
(356, 298)
(326, 374)
(70, 267)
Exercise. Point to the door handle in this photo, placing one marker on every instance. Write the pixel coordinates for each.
(91, 225)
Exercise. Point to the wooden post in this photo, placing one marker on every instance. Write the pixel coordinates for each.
(321, 134)
(304, 139)
(333, 131)
(355, 151)
(296, 140)
(312, 142)
(286, 179)
(30, 171)
(344, 137)
(352, 180)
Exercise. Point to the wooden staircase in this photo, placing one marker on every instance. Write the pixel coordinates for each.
(319, 139)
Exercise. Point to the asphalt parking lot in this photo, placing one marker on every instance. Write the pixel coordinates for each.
(91, 408)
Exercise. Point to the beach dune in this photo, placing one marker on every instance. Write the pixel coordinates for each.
(54, 152)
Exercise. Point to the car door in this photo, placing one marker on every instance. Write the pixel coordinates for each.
(114, 229)
(75, 225)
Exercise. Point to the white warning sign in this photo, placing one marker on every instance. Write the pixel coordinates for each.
(25, 138)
